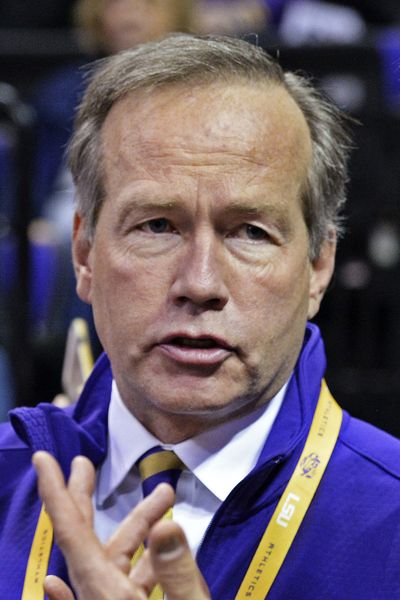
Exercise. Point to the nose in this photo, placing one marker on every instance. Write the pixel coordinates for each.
(200, 277)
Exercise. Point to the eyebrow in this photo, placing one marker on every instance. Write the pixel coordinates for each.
(259, 209)
(235, 208)
(140, 203)
(238, 207)
(254, 208)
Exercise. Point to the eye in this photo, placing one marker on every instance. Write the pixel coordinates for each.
(254, 233)
(158, 226)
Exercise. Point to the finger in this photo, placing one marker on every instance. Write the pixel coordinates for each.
(81, 485)
(173, 564)
(54, 492)
(56, 589)
(70, 528)
(135, 527)
(62, 401)
(142, 574)
(51, 481)
(91, 573)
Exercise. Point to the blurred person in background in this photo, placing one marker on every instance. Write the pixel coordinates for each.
(294, 22)
(231, 16)
(108, 26)
(103, 27)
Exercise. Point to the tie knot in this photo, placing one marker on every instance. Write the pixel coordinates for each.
(159, 466)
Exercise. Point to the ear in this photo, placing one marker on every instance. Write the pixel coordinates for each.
(321, 273)
(81, 253)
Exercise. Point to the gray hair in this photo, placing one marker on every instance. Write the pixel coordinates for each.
(200, 60)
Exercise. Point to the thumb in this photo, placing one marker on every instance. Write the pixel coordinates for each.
(174, 567)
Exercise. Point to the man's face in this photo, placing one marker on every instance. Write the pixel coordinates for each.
(126, 23)
(199, 271)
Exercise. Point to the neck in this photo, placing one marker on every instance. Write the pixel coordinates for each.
(173, 428)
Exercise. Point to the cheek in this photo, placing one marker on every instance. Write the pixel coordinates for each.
(285, 279)
(274, 296)
(129, 286)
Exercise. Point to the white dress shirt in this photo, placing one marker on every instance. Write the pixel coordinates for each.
(217, 459)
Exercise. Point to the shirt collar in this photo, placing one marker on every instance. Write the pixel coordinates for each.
(222, 456)
(127, 441)
(231, 449)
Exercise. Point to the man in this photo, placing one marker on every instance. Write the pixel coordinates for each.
(209, 187)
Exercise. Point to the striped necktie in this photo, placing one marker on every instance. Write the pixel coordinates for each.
(158, 466)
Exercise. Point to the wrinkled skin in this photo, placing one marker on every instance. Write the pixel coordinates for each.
(102, 572)
(199, 270)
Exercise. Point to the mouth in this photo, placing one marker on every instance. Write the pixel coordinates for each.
(191, 350)
(202, 342)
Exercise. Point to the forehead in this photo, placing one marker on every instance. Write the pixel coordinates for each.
(220, 125)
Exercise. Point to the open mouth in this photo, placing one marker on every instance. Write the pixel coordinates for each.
(200, 351)
(201, 343)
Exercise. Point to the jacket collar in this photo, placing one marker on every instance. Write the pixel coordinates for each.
(81, 429)
(286, 439)
(295, 416)
(86, 432)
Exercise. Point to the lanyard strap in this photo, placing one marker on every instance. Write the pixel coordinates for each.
(295, 500)
(157, 592)
(39, 557)
(280, 532)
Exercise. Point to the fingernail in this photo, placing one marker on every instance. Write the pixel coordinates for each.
(169, 548)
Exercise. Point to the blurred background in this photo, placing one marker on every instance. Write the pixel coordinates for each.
(352, 50)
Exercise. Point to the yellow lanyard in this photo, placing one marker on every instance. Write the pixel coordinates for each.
(295, 500)
(39, 557)
(280, 532)
(157, 592)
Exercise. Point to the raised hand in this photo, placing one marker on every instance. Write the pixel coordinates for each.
(103, 571)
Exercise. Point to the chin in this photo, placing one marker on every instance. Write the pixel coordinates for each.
(202, 406)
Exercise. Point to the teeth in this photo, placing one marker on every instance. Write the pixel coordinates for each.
(204, 343)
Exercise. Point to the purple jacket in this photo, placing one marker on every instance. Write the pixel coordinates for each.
(347, 548)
